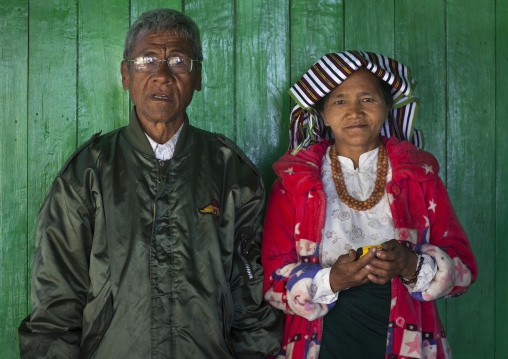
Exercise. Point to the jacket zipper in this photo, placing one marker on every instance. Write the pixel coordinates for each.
(241, 249)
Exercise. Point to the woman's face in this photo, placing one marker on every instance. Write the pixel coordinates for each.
(355, 111)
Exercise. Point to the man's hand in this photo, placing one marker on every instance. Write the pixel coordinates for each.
(346, 272)
(393, 260)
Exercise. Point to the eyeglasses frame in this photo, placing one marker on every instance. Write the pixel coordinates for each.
(159, 64)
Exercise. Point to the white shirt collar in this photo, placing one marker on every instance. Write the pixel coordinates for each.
(165, 151)
(366, 163)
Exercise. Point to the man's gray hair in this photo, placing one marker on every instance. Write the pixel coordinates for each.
(168, 21)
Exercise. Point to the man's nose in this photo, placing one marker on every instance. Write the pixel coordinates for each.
(164, 73)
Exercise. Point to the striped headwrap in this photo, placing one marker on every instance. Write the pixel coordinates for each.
(307, 127)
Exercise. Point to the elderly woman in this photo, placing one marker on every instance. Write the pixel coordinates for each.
(355, 178)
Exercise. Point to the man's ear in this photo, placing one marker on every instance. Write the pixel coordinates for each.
(124, 70)
(197, 83)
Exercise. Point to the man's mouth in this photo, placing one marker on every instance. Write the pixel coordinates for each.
(163, 97)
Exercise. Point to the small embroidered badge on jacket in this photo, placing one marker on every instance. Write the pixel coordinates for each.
(212, 208)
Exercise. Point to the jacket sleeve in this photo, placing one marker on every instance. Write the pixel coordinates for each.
(256, 330)
(288, 280)
(60, 276)
(447, 243)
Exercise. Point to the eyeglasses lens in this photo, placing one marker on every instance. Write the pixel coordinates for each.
(177, 65)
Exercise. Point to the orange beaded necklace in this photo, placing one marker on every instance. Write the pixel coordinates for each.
(379, 188)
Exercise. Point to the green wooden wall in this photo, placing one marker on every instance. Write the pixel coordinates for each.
(60, 83)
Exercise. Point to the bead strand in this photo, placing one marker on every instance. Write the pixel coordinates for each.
(379, 187)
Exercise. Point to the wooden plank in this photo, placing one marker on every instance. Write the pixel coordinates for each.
(140, 6)
(52, 98)
(501, 309)
(103, 105)
(316, 30)
(369, 26)
(420, 45)
(262, 78)
(13, 173)
(471, 168)
(213, 109)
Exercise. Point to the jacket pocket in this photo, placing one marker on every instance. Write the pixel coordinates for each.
(97, 329)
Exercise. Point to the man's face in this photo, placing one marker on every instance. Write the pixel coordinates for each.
(163, 96)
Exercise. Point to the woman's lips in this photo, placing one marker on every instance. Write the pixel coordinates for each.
(353, 127)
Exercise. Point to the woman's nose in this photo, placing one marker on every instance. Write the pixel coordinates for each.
(355, 108)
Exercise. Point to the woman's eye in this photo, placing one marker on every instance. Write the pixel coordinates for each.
(339, 102)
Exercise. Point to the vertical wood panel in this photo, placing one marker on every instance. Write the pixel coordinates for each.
(316, 30)
(13, 173)
(52, 98)
(213, 108)
(420, 44)
(471, 165)
(501, 308)
(140, 6)
(261, 82)
(102, 103)
(369, 26)
(74, 89)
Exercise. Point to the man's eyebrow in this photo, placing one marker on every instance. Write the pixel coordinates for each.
(146, 51)
(180, 51)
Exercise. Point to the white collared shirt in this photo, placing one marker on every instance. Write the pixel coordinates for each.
(164, 152)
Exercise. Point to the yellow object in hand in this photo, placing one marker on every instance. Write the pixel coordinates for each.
(360, 252)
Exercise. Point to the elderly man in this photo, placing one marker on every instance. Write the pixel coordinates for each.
(148, 241)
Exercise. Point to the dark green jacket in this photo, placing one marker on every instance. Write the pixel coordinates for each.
(139, 258)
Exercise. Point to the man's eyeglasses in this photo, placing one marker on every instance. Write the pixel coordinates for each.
(150, 64)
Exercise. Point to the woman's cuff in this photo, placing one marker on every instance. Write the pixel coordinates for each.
(321, 291)
(427, 273)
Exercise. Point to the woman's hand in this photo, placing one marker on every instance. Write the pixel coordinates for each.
(393, 260)
(346, 272)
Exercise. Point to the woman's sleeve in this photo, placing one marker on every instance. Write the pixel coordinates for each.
(288, 280)
(447, 243)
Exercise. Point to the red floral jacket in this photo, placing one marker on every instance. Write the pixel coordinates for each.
(423, 218)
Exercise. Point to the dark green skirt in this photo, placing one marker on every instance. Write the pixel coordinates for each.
(357, 326)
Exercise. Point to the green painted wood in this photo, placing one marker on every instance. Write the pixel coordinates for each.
(13, 173)
(316, 30)
(369, 26)
(213, 108)
(262, 78)
(420, 44)
(471, 168)
(140, 6)
(103, 105)
(52, 98)
(74, 89)
(501, 126)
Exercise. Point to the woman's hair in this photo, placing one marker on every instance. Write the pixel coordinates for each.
(168, 21)
(386, 90)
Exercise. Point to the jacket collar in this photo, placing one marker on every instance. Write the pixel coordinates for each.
(302, 172)
(409, 162)
(137, 138)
